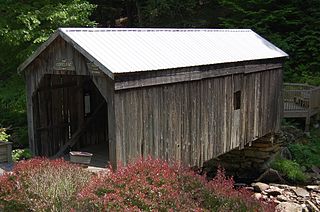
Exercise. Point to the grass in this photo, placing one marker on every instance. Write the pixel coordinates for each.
(291, 169)
(307, 154)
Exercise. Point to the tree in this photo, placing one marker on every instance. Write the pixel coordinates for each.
(24, 25)
(292, 25)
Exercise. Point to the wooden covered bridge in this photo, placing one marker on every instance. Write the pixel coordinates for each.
(180, 94)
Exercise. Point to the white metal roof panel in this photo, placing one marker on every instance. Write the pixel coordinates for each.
(122, 50)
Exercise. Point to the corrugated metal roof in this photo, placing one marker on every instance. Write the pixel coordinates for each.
(121, 50)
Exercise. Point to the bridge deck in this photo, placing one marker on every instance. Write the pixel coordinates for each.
(301, 101)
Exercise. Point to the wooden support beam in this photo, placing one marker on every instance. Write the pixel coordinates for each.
(60, 86)
(79, 132)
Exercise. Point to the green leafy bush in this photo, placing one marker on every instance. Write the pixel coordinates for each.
(3, 135)
(21, 154)
(290, 169)
(307, 154)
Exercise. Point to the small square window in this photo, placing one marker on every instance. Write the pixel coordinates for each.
(237, 100)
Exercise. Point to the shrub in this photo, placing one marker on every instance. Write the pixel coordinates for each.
(42, 185)
(307, 154)
(149, 185)
(3, 135)
(145, 185)
(290, 169)
(21, 154)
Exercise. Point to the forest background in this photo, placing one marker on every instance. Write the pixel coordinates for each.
(292, 25)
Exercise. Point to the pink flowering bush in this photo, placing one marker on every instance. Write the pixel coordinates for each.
(153, 185)
(42, 185)
(144, 185)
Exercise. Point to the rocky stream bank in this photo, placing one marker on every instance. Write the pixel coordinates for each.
(288, 198)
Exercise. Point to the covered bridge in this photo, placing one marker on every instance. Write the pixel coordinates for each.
(180, 94)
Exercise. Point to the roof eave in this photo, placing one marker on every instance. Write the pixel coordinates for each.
(86, 54)
(57, 33)
(39, 50)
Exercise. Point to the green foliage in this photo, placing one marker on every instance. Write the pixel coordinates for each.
(24, 25)
(168, 13)
(307, 154)
(293, 26)
(21, 154)
(3, 135)
(290, 169)
(12, 102)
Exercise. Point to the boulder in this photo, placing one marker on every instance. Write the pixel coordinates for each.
(285, 153)
(301, 192)
(273, 191)
(289, 207)
(282, 186)
(313, 188)
(312, 206)
(282, 198)
(257, 196)
(260, 187)
(316, 172)
(271, 176)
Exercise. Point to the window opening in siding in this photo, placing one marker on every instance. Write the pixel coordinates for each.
(237, 100)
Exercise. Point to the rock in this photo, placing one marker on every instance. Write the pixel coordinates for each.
(290, 134)
(313, 188)
(282, 198)
(315, 169)
(249, 188)
(282, 186)
(312, 206)
(316, 172)
(271, 176)
(301, 192)
(276, 201)
(285, 153)
(257, 196)
(274, 191)
(304, 208)
(259, 187)
(289, 207)
(98, 170)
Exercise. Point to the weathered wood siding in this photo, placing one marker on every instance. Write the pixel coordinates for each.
(185, 114)
(36, 80)
(196, 121)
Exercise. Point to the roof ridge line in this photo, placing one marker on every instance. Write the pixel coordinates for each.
(151, 30)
